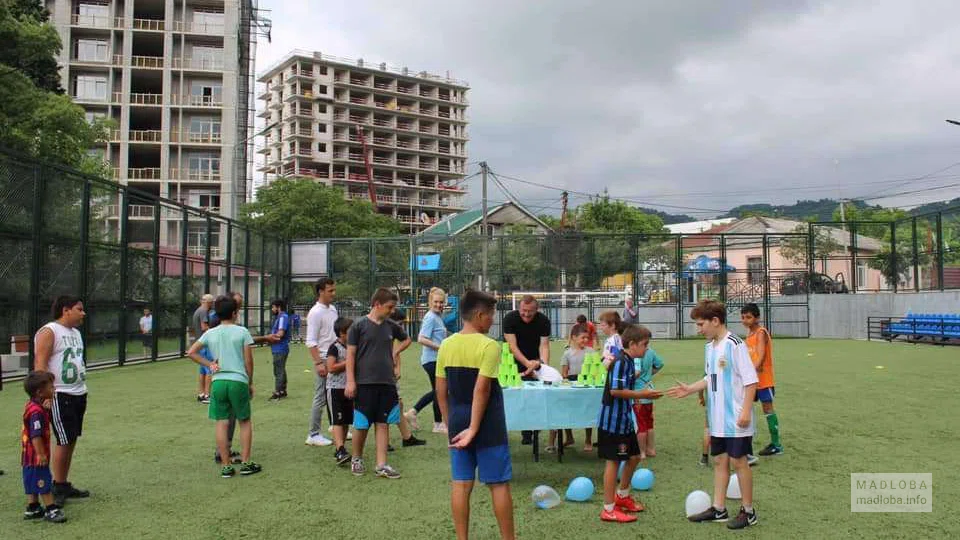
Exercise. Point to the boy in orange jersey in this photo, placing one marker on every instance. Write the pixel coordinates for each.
(760, 345)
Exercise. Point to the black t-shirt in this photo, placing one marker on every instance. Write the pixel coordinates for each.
(528, 334)
(374, 343)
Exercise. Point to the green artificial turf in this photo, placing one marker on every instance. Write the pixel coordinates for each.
(147, 456)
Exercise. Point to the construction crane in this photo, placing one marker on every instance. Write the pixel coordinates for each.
(366, 161)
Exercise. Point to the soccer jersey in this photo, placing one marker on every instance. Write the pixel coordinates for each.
(613, 345)
(463, 358)
(339, 379)
(36, 423)
(226, 343)
(66, 360)
(645, 366)
(616, 414)
(433, 329)
(281, 322)
(765, 364)
(729, 370)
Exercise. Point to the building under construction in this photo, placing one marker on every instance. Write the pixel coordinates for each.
(389, 135)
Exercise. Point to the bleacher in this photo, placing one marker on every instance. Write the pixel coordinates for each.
(936, 328)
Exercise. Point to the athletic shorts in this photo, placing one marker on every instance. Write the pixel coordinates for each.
(339, 408)
(765, 395)
(229, 399)
(491, 463)
(617, 446)
(376, 404)
(205, 353)
(37, 480)
(735, 447)
(147, 340)
(67, 415)
(644, 414)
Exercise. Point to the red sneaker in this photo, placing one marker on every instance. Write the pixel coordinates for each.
(617, 516)
(627, 504)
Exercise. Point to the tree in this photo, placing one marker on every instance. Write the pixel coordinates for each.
(605, 215)
(797, 249)
(302, 208)
(36, 119)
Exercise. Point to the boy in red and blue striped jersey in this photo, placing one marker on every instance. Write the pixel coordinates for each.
(35, 446)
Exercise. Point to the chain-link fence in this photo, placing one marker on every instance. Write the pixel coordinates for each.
(122, 251)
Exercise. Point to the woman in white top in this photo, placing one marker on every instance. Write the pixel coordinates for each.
(432, 333)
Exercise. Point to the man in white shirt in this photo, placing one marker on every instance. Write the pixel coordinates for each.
(320, 336)
(146, 331)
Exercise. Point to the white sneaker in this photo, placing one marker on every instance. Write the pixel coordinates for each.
(411, 417)
(439, 427)
(349, 433)
(318, 440)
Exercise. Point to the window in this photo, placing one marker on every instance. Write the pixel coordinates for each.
(208, 21)
(321, 107)
(861, 275)
(90, 50)
(206, 93)
(205, 129)
(322, 128)
(207, 57)
(204, 165)
(322, 148)
(323, 89)
(92, 117)
(91, 87)
(204, 199)
(197, 239)
(322, 70)
(93, 15)
(754, 270)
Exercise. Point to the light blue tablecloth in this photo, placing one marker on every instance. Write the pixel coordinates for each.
(537, 407)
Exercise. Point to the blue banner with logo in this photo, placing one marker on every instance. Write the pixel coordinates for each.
(426, 263)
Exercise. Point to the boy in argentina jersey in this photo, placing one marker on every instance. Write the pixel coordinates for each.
(730, 385)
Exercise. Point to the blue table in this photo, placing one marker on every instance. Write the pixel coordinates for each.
(535, 407)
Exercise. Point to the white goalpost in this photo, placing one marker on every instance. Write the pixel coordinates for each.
(573, 298)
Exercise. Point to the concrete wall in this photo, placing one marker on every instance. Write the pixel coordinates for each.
(844, 316)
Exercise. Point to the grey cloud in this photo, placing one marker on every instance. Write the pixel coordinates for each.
(660, 98)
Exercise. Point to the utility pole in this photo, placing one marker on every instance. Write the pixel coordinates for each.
(483, 221)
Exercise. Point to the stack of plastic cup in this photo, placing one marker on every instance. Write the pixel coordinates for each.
(508, 375)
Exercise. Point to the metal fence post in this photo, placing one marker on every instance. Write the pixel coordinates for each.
(246, 277)
(124, 260)
(894, 270)
(854, 280)
(206, 254)
(33, 317)
(681, 289)
(765, 258)
(84, 253)
(229, 257)
(155, 330)
(185, 277)
(263, 271)
(723, 267)
(916, 256)
(940, 250)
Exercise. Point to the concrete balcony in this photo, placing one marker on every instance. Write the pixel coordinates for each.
(93, 21)
(196, 137)
(196, 101)
(153, 25)
(145, 136)
(185, 27)
(195, 175)
(140, 99)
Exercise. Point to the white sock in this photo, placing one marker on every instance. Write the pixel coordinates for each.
(748, 509)
(608, 507)
(622, 492)
(719, 508)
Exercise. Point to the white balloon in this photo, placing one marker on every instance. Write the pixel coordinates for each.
(733, 487)
(697, 502)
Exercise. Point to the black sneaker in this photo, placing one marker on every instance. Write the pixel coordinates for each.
(274, 396)
(199, 398)
(33, 512)
(390, 448)
(74, 493)
(771, 450)
(64, 491)
(704, 461)
(249, 468)
(54, 515)
(342, 456)
(283, 394)
(205, 399)
(413, 441)
(710, 514)
(743, 520)
(228, 472)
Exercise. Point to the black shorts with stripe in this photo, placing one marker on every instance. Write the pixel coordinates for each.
(67, 417)
(339, 407)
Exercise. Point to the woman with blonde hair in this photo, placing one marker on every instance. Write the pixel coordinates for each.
(432, 333)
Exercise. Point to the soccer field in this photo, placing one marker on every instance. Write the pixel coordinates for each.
(147, 456)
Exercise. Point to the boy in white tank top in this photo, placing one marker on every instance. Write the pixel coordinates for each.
(59, 349)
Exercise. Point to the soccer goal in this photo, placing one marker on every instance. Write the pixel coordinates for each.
(572, 299)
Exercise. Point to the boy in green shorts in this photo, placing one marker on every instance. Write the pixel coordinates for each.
(231, 346)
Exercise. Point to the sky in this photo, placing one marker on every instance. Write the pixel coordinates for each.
(688, 107)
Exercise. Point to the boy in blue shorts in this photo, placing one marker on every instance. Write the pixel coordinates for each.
(471, 403)
(730, 384)
(232, 387)
(35, 449)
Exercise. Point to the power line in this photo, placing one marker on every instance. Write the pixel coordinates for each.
(938, 171)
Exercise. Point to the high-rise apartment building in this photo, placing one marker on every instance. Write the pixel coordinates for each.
(175, 77)
(414, 129)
